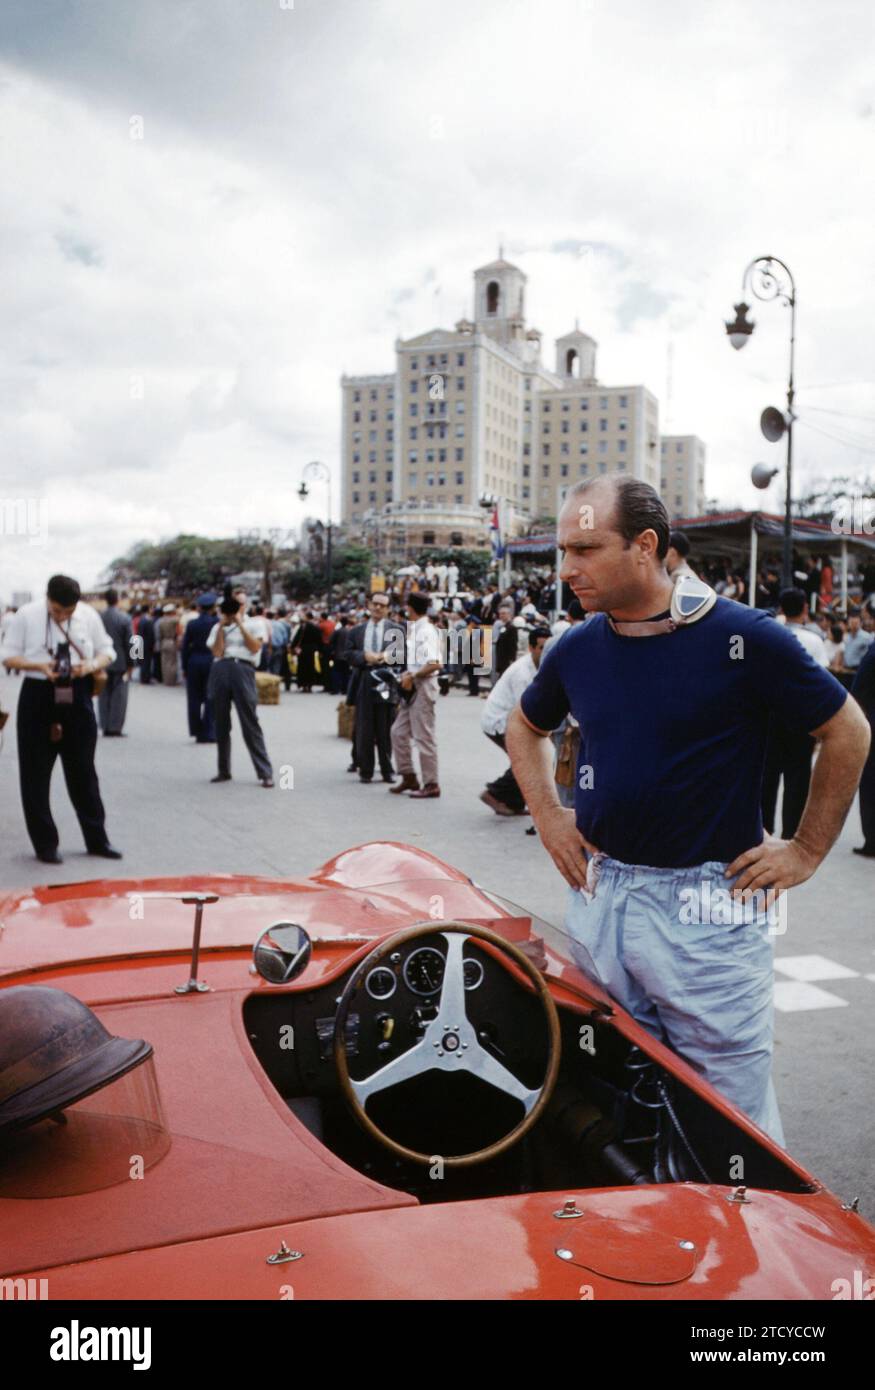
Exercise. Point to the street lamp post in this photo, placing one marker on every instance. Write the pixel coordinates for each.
(321, 473)
(765, 279)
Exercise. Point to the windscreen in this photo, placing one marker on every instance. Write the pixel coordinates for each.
(109, 1137)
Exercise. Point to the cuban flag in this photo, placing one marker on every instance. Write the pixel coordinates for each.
(495, 534)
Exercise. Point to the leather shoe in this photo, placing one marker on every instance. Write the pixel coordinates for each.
(221, 777)
(50, 856)
(422, 793)
(106, 852)
(409, 782)
(497, 806)
(866, 853)
(352, 768)
(366, 779)
(267, 782)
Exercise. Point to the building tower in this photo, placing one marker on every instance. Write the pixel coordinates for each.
(575, 357)
(499, 303)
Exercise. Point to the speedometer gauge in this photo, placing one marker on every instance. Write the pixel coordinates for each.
(424, 970)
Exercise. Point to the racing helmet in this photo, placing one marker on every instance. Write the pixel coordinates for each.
(54, 1051)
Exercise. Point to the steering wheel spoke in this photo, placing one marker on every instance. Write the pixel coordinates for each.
(410, 1063)
(482, 1063)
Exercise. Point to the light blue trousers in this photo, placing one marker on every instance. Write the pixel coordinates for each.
(690, 965)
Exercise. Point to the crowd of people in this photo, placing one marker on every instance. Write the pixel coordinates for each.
(390, 653)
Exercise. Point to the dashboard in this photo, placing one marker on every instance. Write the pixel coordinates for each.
(292, 1032)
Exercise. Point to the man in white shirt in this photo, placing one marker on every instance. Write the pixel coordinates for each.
(415, 721)
(59, 643)
(504, 795)
(236, 644)
(789, 750)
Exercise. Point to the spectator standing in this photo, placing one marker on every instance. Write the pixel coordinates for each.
(59, 643)
(197, 661)
(235, 642)
(790, 749)
(168, 643)
(415, 721)
(112, 702)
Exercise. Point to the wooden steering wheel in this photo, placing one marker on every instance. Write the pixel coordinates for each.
(449, 1042)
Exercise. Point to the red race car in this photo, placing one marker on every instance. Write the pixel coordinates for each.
(379, 1082)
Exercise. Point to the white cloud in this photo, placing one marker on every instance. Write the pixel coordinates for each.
(313, 182)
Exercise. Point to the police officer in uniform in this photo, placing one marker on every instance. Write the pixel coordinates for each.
(59, 643)
(197, 660)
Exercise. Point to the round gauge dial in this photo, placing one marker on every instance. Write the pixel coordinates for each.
(424, 970)
(473, 972)
(381, 982)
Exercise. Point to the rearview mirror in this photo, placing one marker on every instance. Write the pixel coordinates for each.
(282, 952)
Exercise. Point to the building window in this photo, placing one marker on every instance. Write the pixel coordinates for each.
(492, 292)
(357, 395)
(414, 387)
(564, 426)
(603, 468)
(584, 448)
(563, 449)
(545, 470)
(390, 435)
(428, 538)
(545, 429)
(624, 401)
(603, 424)
(372, 456)
(546, 449)
(414, 431)
(372, 477)
(527, 469)
(603, 402)
(584, 427)
(356, 458)
(621, 466)
(460, 431)
(622, 446)
(460, 359)
(679, 448)
(546, 407)
(584, 469)
(526, 493)
(460, 455)
(372, 497)
(622, 424)
(459, 499)
(460, 407)
(603, 446)
(460, 478)
(584, 403)
(372, 436)
(443, 359)
(460, 383)
(356, 416)
(372, 416)
(679, 501)
(564, 470)
(412, 456)
(429, 478)
(355, 477)
(355, 497)
(527, 449)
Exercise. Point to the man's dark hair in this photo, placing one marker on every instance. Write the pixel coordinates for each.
(836, 632)
(419, 603)
(536, 633)
(792, 602)
(64, 590)
(637, 507)
(678, 541)
(111, 597)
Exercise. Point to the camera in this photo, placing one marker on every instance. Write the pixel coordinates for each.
(229, 605)
(387, 683)
(63, 665)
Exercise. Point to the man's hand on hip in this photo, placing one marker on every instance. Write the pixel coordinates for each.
(777, 864)
(565, 844)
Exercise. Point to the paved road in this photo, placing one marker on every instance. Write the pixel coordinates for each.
(168, 819)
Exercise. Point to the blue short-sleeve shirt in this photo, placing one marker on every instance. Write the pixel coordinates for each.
(673, 729)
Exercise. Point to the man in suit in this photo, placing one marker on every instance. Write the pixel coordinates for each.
(371, 644)
(112, 702)
(197, 660)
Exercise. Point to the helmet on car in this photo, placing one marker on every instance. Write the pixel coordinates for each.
(53, 1052)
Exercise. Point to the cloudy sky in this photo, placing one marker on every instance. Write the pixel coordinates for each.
(212, 208)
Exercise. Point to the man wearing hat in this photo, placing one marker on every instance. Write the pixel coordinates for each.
(197, 658)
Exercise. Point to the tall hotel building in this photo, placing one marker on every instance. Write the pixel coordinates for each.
(473, 413)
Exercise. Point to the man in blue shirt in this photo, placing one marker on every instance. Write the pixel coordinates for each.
(673, 736)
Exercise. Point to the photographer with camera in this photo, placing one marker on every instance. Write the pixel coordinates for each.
(236, 643)
(60, 644)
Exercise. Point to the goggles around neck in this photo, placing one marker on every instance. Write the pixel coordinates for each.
(691, 599)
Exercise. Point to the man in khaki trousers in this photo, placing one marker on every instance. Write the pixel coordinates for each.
(415, 720)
